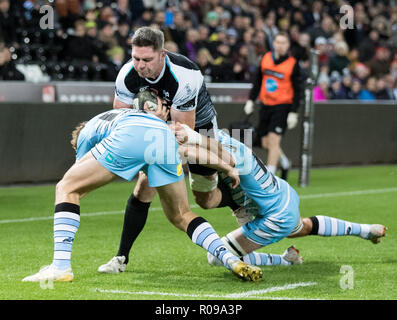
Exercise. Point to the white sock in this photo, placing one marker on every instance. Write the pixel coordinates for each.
(284, 162)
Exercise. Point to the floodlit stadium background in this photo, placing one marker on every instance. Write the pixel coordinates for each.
(69, 52)
(57, 73)
(89, 40)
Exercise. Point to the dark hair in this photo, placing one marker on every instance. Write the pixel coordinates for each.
(148, 37)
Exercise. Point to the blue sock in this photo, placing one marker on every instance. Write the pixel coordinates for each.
(328, 226)
(204, 235)
(66, 223)
(264, 259)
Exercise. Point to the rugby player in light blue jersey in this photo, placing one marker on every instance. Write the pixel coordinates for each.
(121, 143)
(269, 209)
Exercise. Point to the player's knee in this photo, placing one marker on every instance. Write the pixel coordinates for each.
(178, 222)
(204, 199)
(60, 188)
(303, 228)
(143, 192)
(264, 142)
(63, 190)
(203, 188)
(307, 226)
(273, 141)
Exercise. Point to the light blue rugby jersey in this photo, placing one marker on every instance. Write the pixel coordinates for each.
(259, 191)
(101, 126)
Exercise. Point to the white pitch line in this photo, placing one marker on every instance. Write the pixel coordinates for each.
(347, 193)
(90, 214)
(307, 196)
(237, 295)
(248, 294)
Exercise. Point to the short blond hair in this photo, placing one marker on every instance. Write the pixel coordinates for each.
(342, 48)
(76, 133)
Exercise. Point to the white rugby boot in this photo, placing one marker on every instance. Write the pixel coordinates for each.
(51, 273)
(115, 265)
(376, 232)
(292, 255)
(245, 271)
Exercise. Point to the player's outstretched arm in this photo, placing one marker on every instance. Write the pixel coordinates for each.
(204, 157)
(187, 136)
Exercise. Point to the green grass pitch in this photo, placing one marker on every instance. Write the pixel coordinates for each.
(165, 264)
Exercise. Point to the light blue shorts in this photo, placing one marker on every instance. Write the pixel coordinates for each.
(129, 149)
(276, 225)
(84, 147)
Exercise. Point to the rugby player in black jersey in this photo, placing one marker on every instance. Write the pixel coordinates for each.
(179, 83)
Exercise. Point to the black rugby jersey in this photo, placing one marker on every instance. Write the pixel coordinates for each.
(180, 83)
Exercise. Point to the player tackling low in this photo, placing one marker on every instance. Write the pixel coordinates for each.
(269, 210)
(120, 143)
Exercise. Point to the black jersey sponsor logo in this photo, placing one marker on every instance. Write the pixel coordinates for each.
(191, 104)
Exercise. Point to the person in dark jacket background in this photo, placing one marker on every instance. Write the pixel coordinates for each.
(278, 85)
(8, 70)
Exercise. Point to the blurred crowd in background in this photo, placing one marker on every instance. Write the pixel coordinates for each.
(90, 39)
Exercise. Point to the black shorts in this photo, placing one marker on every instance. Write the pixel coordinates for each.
(273, 119)
(199, 169)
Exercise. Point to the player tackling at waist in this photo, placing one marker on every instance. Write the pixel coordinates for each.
(120, 143)
(269, 209)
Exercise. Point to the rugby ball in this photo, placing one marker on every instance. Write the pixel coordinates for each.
(146, 96)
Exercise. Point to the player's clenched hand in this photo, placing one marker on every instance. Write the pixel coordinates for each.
(180, 132)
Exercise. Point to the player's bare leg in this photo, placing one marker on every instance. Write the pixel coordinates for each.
(210, 198)
(274, 150)
(265, 142)
(273, 142)
(84, 176)
(142, 190)
(204, 188)
(211, 193)
(176, 208)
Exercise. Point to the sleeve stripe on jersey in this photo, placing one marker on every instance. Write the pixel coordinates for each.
(172, 72)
